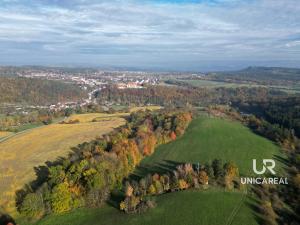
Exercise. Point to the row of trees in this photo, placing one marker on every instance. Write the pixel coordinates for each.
(185, 176)
(13, 122)
(96, 168)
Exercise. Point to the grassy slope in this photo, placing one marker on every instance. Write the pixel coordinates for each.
(295, 88)
(205, 139)
(214, 84)
(182, 208)
(20, 153)
(210, 138)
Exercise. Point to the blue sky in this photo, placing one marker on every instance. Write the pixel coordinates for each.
(151, 34)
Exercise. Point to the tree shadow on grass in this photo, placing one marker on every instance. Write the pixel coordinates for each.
(6, 219)
(253, 204)
(167, 166)
(115, 198)
(283, 160)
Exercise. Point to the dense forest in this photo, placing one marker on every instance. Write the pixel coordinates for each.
(182, 96)
(284, 111)
(37, 91)
(94, 169)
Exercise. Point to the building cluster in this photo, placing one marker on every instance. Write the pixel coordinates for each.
(94, 80)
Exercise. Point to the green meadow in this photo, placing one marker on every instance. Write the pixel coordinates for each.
(207, 139)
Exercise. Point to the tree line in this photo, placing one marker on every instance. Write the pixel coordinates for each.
(183, 177)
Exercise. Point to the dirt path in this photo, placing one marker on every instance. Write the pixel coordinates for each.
(236, 209)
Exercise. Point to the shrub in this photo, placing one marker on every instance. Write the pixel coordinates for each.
(33, 206)
(151, 189)
(217, 167)
(61, 199)
(231, 170)
(96, 197)
(158, 186)
(173, 136)
(182, 184)
(203, 178)
(128, 190)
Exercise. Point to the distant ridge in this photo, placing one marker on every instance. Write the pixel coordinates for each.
(259, 73)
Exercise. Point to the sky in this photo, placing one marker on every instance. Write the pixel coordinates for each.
(177, 35)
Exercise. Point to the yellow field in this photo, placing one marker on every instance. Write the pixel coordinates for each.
(151, 107)
(4, 134)
(89, 117)
(22, 152)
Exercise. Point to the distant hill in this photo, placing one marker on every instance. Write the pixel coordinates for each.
(277, 75)
(17, 70)
(37, 91)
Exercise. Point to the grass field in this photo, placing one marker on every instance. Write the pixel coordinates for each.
(20, 153)
(151, 107)
(206, 139)
(89, 117)
(181, 208)
(210, 138)
(214, 84)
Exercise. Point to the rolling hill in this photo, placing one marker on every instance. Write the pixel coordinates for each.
(275, 75)
(37, 91)
(206, 139)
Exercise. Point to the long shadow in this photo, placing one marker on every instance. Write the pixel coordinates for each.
(253, 204)
(42, 173)
(115, 198)
(167, 166)
(284, 161)
(6, 219)
(284, 216)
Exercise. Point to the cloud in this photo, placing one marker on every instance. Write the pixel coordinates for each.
(141, 32)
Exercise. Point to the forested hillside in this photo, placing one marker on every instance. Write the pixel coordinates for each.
(181, 96)
(284, 111)
(37, 91)
(262, 75)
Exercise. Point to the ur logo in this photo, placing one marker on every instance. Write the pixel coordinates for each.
(267, 164)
